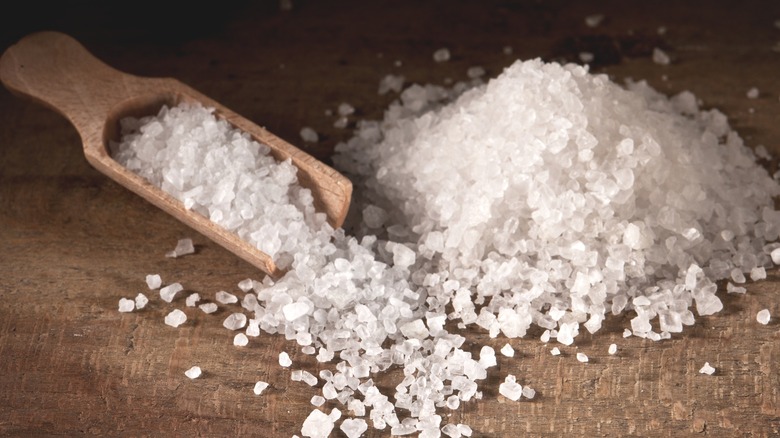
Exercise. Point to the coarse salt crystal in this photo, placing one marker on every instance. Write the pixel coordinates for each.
(510, 389)
(612, 349)
(707, 369)
(353, 427)
(192, 299)
(225, 297)
(763, 316)
(660, 57)
(175, 318)
(240, 340)
(441, 55)
(260, 387)
(183, 247)
(284, 359)
(141, 301)
(752, 93)
(582, 357)
(169, 292)
(235, 321)
(208, 307)
(555, 351)
(126, 305)
(317, 425)
(153, 281)
(507, 350)
(309, 135)
(193, 373)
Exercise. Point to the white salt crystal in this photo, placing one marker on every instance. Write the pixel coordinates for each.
(153, 281)
(193, 373)
(246, 285)
(226, 298)
(776, 256)
(732, 289)
(309, 378)
(758, 273)
(487, 357)
(415, 330)
(660, 57)
(141, 301)
(475, 72)
(555, 351)
(529, 392)
(192, 299)
(317, 400)
(284, 359)
(346, 109)
(612, 349)
(763, 316)
(169, 292)
(582, 357)
(208, 307)
(240, 340)
(353, 427)
(508, 351)
(175, 318)
(126, 305)
(309, 135)
(317, 425)
(260, 387)
(341, 122)
(707, 369)
(594, 20)
(295, 310)
(586, 57)
(752, 93)
(235, 321)
(441, 55)
(510, 389)
(627, 333)
(465, 429)
(183, 247)
(391, 83)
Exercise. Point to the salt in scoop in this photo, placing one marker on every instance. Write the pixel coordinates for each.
(55, 70)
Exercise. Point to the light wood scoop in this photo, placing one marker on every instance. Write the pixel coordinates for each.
(55, 70)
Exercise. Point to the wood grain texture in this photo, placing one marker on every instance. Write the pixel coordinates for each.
(72, 242)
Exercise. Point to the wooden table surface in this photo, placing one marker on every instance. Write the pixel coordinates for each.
(72, 242)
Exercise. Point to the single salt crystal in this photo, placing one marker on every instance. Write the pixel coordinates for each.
(240, 340)
(226, 298)
(193, 373)
(775, 254)
(317, 400)
(752, 93)
(555, 351)
(341, 123)
(612, 349)
(475, 72)
(660, 57)
(586, 57)
(153, 281)
(208, 307)
(391, 83)
(582, 357)
(126, 305)
(465, 429)
(707, 369)
(141, 301)
(183, 247)
(508, 351)
(487, 357)
(235, 321)
(284, 359)
(346, 109)
(528, 392)
(309, 378)
(730, 288)
(295, 310)
(253, 328)
(510, 389)
(309, 135)
(317, 425)
(763, 317)
(260, 387)
(441, 55)
(246, 285)
(175, 318)
(594, 20)
(354, 427)
(627, 333)
(451, 431)
(168, 292)
(192, 299)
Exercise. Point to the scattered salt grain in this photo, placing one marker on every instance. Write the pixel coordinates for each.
(175, 318)
(317, 425)
(707, 369)
(192, 299)
(260, 387)
(193, 373)
(225, 297)
(612, 349)
(586, 57)
(284, 359)
(660, 57)
(475, 72)
(752, 93)
(208, 307)
(776, 256)
(392, 83)
(763, 316)
(126, 305)
(507, 350)
(732, 289)
(183, 247)
(345, 109)
(441, 55)
(235, 321)
(309, 135)
(353, 427)
(594, 20)
(529, 392)
(141, 301)
(246, 285)
(582, 357)
(555, 351)
(510, 389)
(153, 281)
(169, 292)
(627, 333)
(240, 340)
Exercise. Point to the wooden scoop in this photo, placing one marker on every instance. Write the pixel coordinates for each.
(55, 70)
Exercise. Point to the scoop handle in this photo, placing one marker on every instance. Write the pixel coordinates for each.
(55, 70)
